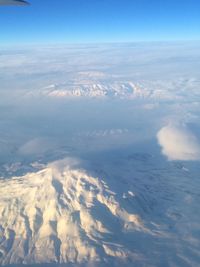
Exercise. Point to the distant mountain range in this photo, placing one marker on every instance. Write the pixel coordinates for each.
(123, 90)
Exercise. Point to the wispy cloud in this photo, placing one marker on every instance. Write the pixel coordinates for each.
(36, 146)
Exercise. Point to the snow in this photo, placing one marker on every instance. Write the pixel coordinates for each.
(99, 155)
(49, 216)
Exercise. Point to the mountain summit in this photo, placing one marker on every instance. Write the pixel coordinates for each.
(61, 214)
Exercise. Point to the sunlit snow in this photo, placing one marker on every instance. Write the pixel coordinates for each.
(99, 155)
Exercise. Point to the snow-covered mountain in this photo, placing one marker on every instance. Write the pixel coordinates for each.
(61, 214)
(123, 90)
(130, 113)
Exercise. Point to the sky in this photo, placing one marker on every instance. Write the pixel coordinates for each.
(85, 21)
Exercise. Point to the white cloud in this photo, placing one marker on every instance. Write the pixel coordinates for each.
(36, 146)
(178, 143)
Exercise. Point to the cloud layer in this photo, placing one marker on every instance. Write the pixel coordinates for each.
(178, 143)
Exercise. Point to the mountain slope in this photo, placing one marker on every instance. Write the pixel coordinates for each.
(62, 214)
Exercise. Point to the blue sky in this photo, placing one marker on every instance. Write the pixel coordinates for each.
(82, 21)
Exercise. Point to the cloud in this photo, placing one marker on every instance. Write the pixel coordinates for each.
(178, 143)
(36, 146)
(66, 163)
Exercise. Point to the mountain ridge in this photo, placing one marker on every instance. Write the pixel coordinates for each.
(62, 215)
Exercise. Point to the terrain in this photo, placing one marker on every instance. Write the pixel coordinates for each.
(99, 155)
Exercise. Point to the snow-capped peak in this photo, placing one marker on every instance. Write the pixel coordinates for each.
(61, 214)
